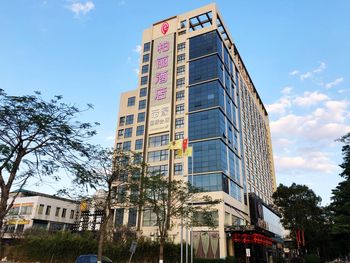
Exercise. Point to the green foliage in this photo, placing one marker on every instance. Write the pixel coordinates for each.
(66, 247)
(312, 259)
(340, 205)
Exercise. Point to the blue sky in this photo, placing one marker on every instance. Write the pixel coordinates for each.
(297, 53)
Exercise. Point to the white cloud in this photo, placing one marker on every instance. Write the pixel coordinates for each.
(294, 72)
(321, 67)
(341, 91)
(305, 75)
(334, 83)
(287, 90)
(279, 107)
(310, 74)
(315, 161)
(310, 98)
(79, 8)
(137, 49)
(110, 138)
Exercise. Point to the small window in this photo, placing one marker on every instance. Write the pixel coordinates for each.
(179, 123)
(144, 80)
(180, 109)
(140, 130)
(143, 92)
(71, 214)
(178, 168)
(146, 47)
(144, 69)
(183, 24)
(182, 32)
(181, 58)
(180, 83)
(131, 101)
(120, 133)
(64, 212)
(138, 144)
(141, 117)
(121, 121)
(179, 135)
(41, 209)
(180, 70)
(181, 47)
(129, 119)
(57, 211)
(128, 133)
(142, 104)
(127, 146)
(180, 95)
(119, 145)
(145, 58)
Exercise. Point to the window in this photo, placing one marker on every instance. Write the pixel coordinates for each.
(119, 145)
(144, 80)
(180, 95)
(128, 133)
(71, 216)
(127, 146)
(129, 119)
(20, 228)
(205, 44)
(179, 135)
(138, 144)
(48, 210)
(64, 212)
(41, 209)
(149, 218)
(120, 133)
(181, 58)
(157, 156)
(179, 123)
(132, 217)
(180, 83)
(57, 211)
(205, 69)
(146, 47)
(142, 104)
(178, 168)
(181, 47)
(119, 215)
(158, 170)
(183, 24)
(26, 210)
(121, 121)
(131, 101)
(157, 141)
(180, 70)
(145, 58)
(143, 92)
(180, 109)
(139, 130)
(144, 69)
(141, 117)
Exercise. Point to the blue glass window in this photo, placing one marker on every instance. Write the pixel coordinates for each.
(210, 182)
(129, 119)
(139, 130)
(141, 117)
(138, 144)
(143, 92)
(209, 156)
(206, 124)
(205, 69)
(205, 44)
(206, 95)
(127, 132)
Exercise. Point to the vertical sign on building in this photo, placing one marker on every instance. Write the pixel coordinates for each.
(161, 84)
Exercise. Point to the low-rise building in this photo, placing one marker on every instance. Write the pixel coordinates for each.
(37, 210)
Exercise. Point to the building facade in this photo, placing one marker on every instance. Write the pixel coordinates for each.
(37, 210)
(193, 85)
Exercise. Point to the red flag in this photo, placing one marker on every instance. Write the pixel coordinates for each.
(184, 144)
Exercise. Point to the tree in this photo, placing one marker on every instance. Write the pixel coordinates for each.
(340, 205)
(301, 212)
(37, 138)
(109, 170)
(169, 200)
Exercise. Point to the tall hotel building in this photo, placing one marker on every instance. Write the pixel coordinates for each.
(193, 84)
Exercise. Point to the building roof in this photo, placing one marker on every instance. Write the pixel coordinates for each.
(27, 193)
